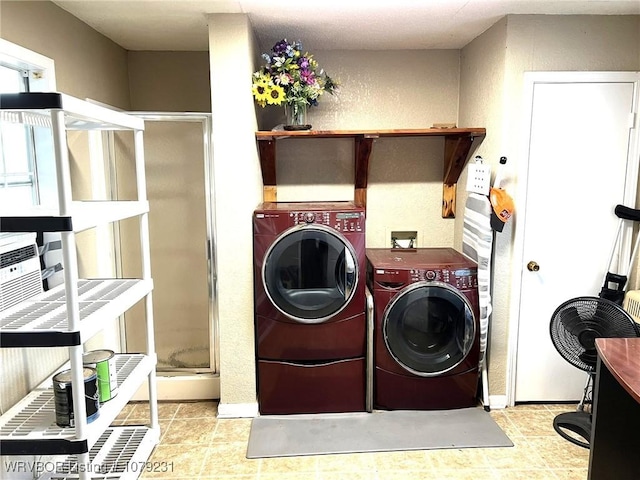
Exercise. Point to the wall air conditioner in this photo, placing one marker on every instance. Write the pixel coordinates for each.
(632, 304)
(20, 277)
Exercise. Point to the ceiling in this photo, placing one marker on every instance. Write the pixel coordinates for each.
(181, 25)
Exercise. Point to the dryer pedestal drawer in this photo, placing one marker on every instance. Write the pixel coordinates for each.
(336, 386)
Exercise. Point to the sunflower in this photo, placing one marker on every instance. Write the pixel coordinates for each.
(260, 89)
(275, 95)
(290, 76)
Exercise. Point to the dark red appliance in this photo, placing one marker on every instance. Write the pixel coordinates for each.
(309, 266)
(426, 335)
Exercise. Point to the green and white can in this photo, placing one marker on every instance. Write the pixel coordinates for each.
(104, 361)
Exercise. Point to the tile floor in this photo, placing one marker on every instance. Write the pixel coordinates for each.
(202, 447)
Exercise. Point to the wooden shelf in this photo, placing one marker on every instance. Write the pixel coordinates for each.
(457, 148)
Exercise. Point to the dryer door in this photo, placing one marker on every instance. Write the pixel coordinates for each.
(310, 273)
(429, 328)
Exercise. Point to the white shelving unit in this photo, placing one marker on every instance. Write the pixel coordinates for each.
(70, 314)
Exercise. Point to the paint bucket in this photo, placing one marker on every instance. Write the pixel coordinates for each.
(63, 396)
(104, 361)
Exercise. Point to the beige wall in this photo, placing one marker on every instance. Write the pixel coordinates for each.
(238, 189)
(405, 175)
(491, 95)
(169, 81)
(481, 104)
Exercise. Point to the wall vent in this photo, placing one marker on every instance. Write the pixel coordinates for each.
(632, 304)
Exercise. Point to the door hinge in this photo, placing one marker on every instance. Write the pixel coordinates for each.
(632, 120)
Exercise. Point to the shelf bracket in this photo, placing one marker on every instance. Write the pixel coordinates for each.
(267, 148)
(362, 150)
(449, 193)
(456, 151)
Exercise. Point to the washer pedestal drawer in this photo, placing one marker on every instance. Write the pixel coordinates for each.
(400, 392)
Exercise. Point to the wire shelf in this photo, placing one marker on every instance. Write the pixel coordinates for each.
(34, 419)
(99, 301)
(120, 453)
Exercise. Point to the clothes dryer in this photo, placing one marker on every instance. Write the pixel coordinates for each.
(426, 335)
(309, 266)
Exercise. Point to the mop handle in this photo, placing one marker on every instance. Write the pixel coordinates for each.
(633, 254)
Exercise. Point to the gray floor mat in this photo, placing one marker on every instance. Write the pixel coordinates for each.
(292, 435)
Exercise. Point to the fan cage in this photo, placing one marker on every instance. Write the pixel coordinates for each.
(577, 323)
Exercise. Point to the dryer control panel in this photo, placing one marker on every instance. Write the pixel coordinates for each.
(341, 221)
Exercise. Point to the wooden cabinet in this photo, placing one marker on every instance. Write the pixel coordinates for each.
(458, 143)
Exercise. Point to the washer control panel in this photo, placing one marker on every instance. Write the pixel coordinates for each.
(461, 279)
(341, 221)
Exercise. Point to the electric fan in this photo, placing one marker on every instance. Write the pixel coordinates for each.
(575, 325)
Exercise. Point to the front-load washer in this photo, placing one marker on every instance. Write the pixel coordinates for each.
(426, 335)
(309, 267)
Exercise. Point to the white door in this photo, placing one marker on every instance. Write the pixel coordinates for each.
(582, 161)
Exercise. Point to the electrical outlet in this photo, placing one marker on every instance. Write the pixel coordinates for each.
(404, 239)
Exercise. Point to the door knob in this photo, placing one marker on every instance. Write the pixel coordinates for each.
(533, 266)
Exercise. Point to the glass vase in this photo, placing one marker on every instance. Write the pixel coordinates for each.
(296, 116)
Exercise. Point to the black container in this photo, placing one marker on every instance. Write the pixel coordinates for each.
(62, 389)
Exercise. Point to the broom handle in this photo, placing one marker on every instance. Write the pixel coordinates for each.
(613, 250)
(627, 213)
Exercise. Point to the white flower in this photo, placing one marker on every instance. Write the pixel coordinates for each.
(284, 79)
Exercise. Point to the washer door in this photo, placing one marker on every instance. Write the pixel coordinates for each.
(310, 273)
(429, 328)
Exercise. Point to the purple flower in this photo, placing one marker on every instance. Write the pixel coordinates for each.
(303, 63)
(307, 77)
(281, 47)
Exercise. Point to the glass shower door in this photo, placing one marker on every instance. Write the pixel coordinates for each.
(179, 188)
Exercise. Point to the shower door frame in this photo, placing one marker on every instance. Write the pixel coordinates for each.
(185, 383)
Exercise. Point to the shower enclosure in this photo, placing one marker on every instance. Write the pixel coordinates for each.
(179, 174)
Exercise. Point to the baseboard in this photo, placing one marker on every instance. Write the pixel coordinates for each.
(497, 402)
(183, 387)
(238, 410)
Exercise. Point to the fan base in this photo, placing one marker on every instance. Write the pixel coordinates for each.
(577, 422)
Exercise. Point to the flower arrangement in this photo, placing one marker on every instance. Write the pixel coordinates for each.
(290, 77)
